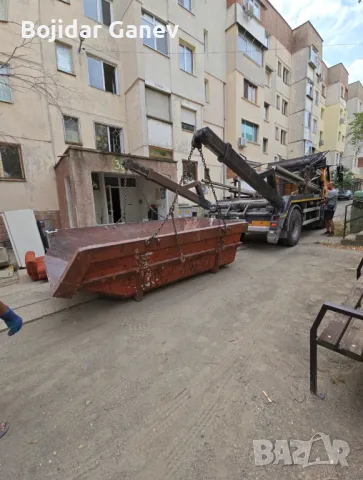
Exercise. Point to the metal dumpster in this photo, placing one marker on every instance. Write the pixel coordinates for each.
(118, 260)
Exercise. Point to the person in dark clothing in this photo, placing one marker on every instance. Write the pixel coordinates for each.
(14, 324)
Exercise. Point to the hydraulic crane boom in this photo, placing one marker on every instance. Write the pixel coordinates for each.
(237, 164)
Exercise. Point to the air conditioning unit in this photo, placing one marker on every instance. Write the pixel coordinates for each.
(242, 142)
(321, 143)
(342, 120)
(313, 60)
(248, 8)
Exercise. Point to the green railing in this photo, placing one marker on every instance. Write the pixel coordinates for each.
(357, 203)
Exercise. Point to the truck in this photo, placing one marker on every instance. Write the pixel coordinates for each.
(285, 197)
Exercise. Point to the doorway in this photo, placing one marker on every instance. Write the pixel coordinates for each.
(113, 201)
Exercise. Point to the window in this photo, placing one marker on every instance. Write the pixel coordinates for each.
(265, 145)
(286, 76)
(3, 10)
(5, 89)
(307, 119)
(108, 139)
(268, 73)
(279, 68)
(321, 140)
(267, 39)
(251, 49)
(250, 92)
(277, 133)
(11, 162)
(206, 91)
(315, 126)
(157, 104)
(249, 131)
(102, 75)
(71, 129)
(99, 10)
(339, 136)
(188, 119)
(342, 91)
(206, 174)
(159, 44)
(266, 111)
(316, 97)
(190, 171)
(256, 9)
(186, 58)
(322, 113)
(205, 41)
(309, 90)
(283, 137)
(278, 102)
(284, 108)
(323, 90)
(308, 147)
(64, 58)
(186, 4)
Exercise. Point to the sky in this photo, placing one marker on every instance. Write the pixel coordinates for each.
(339, 23)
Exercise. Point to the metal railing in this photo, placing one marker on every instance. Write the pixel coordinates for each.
(356, 203)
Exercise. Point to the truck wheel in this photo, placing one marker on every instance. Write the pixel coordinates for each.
(293, 229)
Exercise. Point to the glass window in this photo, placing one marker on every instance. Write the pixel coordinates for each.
(5, 88)
(3, 10)
(188, 119)
(315, 126)
(186, 4)
(266, 111)
(98, 10)
(279, 68)
(102, 75)
(286, 76)
(64, 58)
(265, 145)
(71, 129)
(250, 48)
(249, 131)
(307, 119)
(250, 91)
(159, 44)
(108, 139)
(186, 58)
(256, 9)
(278, 102)
(268, 73)
(11, 165)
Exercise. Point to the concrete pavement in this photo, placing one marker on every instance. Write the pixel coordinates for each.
(173, 387)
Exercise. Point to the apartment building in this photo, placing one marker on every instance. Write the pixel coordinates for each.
(238, 68)
(140, 96)
(353, 158)
(278, 87)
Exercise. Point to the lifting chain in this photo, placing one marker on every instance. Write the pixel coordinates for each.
(124, 212)
(171, 213)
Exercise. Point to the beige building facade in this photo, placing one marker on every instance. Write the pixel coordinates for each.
(353, 158)
(237, 68)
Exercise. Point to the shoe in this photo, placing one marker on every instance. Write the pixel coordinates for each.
(330, 235)
(326, 233)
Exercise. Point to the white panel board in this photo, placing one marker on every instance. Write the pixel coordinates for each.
(23, 233)
(160, 133)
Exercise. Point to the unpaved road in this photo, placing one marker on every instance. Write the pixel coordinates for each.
(172, 388)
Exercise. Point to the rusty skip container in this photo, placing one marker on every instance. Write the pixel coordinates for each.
(118, 260)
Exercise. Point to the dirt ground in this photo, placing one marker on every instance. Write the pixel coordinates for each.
(172, 387)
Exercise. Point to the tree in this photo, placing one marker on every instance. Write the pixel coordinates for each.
(355, 133)
(344, 181)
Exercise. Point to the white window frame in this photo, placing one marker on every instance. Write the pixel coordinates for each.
(278, 102)
(78, 128)
(255, 130)
(70, 49)
(286, 76)
(155, 22)
(264, 142)
(277, 133)
(256, 9)
(109, 136)
(190, 49)
(251, 49)
(183, 2)
(283, 134)
(205, 39)
(252, 91)
(5, 10)
(268, 76)
(99, 18)
(266, 111)
(103, 75)
(316, 99)
(279, 68)
(7, 83)
(307, 116)
(315, 125)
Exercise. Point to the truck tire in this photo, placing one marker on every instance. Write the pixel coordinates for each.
(293, 229)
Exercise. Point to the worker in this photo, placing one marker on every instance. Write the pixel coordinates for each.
(331, 202)
(14, 324)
